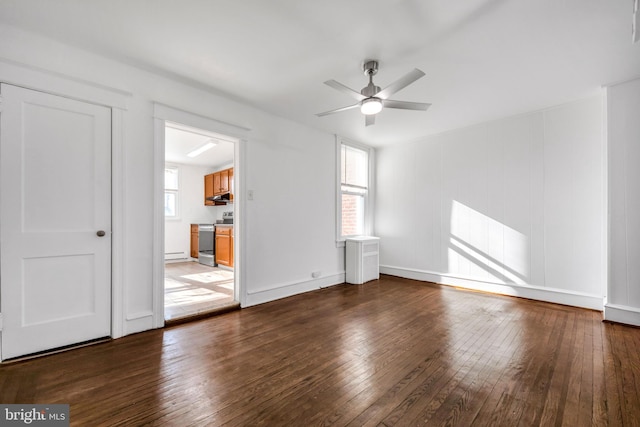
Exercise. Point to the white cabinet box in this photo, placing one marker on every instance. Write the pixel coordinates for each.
(362, 259)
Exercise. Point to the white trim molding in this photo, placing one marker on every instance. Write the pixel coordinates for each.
(289, 289)
(553, 295)
(371, 190)
(163, 113)
(118, 248)
(157, 275)
(31, 77)
(176, 115)
(622, 314)
(139, 322)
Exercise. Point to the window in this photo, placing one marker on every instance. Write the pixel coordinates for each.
(171, 187)
(354, 190)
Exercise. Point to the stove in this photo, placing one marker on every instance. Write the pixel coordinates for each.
(207, 244)
(227, 217)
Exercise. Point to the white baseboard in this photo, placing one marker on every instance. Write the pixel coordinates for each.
(558, 296)
(622, 314)
(290, 289)
(138, 322)
(175, 256)
(177, 260)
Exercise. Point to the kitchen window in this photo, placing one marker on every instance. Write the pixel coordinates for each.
(354, 201)
(171, 189)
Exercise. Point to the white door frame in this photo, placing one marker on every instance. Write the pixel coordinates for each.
(162, 114)
(42, 80)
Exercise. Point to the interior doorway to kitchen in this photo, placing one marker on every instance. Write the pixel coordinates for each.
(199, 268)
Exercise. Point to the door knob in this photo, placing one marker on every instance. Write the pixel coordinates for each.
(100, 233)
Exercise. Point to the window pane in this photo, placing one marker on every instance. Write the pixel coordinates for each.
(354, 166)
(170, 178)
(352, 214)
(169, 204)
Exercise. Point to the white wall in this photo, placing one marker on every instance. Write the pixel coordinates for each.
(623, 141)
(514, 206)
(287, 166)
(177, 232)
(293, 212)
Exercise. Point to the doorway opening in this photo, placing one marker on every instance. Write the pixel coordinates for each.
(199, 276)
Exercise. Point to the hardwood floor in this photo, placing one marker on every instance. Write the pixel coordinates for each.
(389, 352)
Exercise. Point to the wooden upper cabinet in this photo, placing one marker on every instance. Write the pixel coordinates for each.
(221, 182)
(218, 183)
(208, 189)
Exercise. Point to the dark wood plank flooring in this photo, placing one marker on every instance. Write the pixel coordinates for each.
(390, 352)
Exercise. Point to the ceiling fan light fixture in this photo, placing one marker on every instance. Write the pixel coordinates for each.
(371, 106)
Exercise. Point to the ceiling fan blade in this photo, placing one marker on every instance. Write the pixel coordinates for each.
(337, 110)
(405, 105)
(344, 89)
(400, 84)
(370, 120)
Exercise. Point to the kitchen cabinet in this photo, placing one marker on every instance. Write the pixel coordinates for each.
(231, 184)
(221, 182)
(208, 189)
(218, 183)
(194, 241)
(224, 245)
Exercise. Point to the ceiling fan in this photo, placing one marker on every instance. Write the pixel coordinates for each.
(371, 99)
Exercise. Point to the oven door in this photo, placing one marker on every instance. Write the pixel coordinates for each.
(206, 244)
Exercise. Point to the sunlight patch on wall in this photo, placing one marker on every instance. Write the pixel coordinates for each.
(481, 247)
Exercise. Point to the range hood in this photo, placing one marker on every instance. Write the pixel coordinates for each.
(221, 198)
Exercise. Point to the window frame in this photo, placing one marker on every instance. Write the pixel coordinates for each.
(367, 228)
(175, 192)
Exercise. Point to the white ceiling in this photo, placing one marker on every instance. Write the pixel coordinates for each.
(483, 59)
(180, 140)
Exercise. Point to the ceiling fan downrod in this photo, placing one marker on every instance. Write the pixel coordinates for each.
(370, 69)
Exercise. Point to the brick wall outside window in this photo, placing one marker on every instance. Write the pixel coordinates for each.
(351, 224)
(354, 180)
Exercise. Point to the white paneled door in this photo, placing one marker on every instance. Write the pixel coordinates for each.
(55, 221)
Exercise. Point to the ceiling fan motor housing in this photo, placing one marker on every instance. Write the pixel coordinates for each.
(370, 90)
(370, 67)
